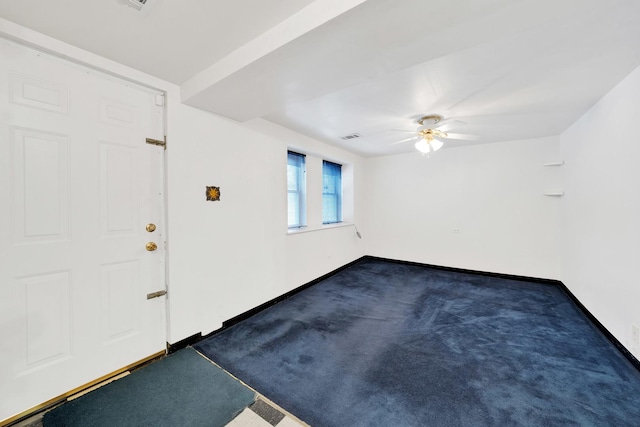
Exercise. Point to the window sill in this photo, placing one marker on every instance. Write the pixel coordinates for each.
(318, 228)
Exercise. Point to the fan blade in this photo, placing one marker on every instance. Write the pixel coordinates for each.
(462, 136)
(405, 140)
(403, 130)
(445, 125)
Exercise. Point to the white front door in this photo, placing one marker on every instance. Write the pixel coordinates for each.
(78, 186)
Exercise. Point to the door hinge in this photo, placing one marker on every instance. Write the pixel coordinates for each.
(156, 294)
(161, 143)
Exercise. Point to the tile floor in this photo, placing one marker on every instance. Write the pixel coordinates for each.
(264, 414)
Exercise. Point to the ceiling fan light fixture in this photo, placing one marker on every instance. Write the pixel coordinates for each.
(432, 131)
(423, 146)
(436, 145)
(430, 119)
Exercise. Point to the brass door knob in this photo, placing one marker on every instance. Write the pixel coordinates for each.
(151, 246)
(151, 228)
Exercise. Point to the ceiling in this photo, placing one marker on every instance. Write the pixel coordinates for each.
(509, 70)
(169, 39)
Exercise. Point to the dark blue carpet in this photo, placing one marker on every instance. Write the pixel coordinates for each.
(386, 344)
(183, 389)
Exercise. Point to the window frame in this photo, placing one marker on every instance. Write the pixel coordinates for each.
(301, 190)
(336, 193)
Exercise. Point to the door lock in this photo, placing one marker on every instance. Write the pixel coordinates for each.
(150, 228)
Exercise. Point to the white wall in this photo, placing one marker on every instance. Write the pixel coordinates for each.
(600, 232)
(491, 193)
(229, 256)
(222, 260)
(319, 250)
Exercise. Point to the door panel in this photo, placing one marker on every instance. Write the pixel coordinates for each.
(118, 189)
(47, 318)
(78, 185)
(41, 186)
(32, 92)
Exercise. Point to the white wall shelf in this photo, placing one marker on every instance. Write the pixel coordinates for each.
(560, 163)
(554, 193)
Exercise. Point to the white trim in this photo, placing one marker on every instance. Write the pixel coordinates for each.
(44, 43)
(301, 230)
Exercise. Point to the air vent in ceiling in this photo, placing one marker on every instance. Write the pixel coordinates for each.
(352, 136)
(136, 4)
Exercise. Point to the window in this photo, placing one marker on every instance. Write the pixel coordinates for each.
(331, 192)
(296, 214)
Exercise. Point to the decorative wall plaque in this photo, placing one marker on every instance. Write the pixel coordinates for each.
(213, 194)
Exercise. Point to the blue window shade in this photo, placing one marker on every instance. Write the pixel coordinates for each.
(331, 192)
(296, 187)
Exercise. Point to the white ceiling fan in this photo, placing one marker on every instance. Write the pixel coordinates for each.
(432, 129)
